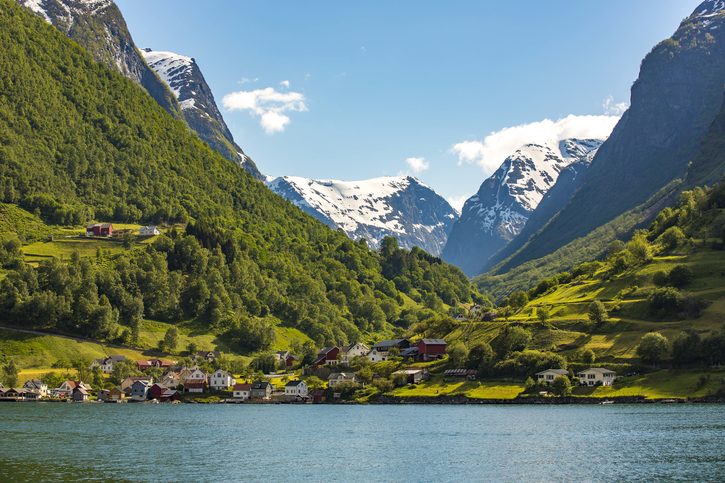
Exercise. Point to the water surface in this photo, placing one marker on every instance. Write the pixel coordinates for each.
(140, 442)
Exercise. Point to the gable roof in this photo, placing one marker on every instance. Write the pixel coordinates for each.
(242, 387)
(561, 372)
(294, 383)
(597, 370)
(261, 384)
(341, 375)
(386, 344)
(433, 341)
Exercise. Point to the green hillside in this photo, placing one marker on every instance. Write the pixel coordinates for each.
(656, 302)
(79, 142)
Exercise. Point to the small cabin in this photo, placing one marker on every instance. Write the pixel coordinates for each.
(100, 229)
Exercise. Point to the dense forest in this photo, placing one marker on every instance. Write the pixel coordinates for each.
(78, 142)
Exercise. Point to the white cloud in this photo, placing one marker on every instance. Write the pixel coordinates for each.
(457, 202)
(417, 165)
(612, 108)
(497, 146)
(247, 80)
(285, 84)
(268, 104)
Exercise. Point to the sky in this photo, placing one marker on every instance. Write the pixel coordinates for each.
(443, 91)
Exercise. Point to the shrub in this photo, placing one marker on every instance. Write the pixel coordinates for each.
(653, 348)
(561, 386)
(680, 276)
(660, 279)
(672, 238)
(597, 312)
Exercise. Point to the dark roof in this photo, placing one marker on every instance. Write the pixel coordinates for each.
(433, 341)
(242, 387)
(410, 351)
(325, 350)
(389, 343)
(261, 384)
(293, 383)
(116, 358)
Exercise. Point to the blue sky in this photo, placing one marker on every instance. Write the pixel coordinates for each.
(351, 90)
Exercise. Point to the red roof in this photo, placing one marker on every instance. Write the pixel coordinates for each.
(242, 387)
(194, 384)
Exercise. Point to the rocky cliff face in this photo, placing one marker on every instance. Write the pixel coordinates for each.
(100, 28)
(372, 209)
(673, 103)
(500, 210)
(185, 79)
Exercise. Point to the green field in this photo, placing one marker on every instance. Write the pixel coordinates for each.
(472, 389)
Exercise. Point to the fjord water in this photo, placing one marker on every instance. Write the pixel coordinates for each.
(361, 443)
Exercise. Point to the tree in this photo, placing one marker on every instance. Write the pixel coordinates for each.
(511, 339)
(587, 356)
(686, 348)
(457, 354)
(82, 366)
(672, 238)
(653, 348)
(561, 386)
(171, 339)
(11, 372)
(506, 312)
(518, 299)
(597, 312)
(97, 379)
(191, 348)
(680, 276)
(639, 248)
(481, 357)
(543, 314)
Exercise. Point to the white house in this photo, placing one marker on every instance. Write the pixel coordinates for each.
(38, 386)
(376, 355)
(412, 376)
(337, 378)
(194, 374)
(352, 351)
(106, 364)
(597, 376)
(221, 380)
(549, 375)
(148, 231)
(242, 392)
(295, 389)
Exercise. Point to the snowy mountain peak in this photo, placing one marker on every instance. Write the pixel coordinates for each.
(499, 211)
(49, 8)
(174, 69)
(709, 8)
(399, 206)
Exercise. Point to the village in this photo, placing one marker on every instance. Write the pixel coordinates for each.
(330, 378)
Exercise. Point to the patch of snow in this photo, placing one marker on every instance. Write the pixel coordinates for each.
(37, 6)
(172, 68)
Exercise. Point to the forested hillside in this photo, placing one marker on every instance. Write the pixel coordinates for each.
(79, 142)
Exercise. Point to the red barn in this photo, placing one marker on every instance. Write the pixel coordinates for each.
(99, 229)
(327, 356)
(429, 349)
(163, 393)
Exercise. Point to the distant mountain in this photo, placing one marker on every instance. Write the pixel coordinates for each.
(185, 79)
(100, 28)
(673, 104)
(174, 81)
(499, 211)
(372, 209)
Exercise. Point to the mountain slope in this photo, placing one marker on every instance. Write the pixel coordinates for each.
(505, 201)
(372, 209)
(185, 79)
(99, 26)
(674, 101)
(81, 142)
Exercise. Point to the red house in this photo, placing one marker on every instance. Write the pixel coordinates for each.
(100, 229)
(429, 349)
(327, 356)
(163, 393)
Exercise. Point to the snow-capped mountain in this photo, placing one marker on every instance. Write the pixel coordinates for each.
(100, 28)
(499, 211)
(174, 81)
(185, 79)
(372, 209)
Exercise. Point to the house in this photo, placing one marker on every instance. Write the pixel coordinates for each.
(106, 364)
(128, 382)
(284, 357)
(194, 386)
(38, 386)
(171, 379)
(318, 396)
(194, 374)
(209, 356)
(337, 378)
(548, 376)
(596, 376)
(295, 390)
(412, 376)
(470, 374)
(151, 363)
(261, 390)
(242, 392)
(80, 394)
(66, 389)
(100, 229)
(328, 356)
(431, 349)
(352, 351)
(162, 393)
(116, 394)
(221, 380)
(12, 393)
(409, 353)
(381, 351)
(140, 390)
(148, 231)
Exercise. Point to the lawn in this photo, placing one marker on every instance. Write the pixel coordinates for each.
(471, 389)
(661, 385)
